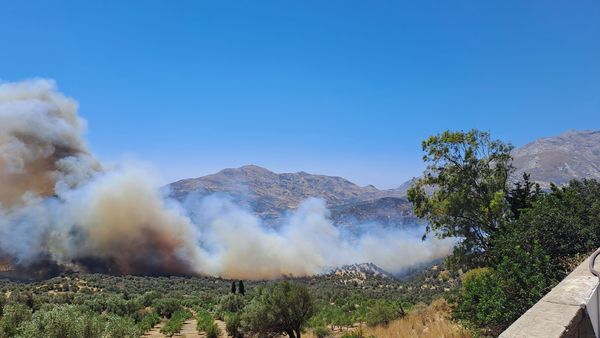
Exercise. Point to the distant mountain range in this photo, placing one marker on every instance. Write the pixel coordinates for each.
(271, 195)
(559, 159)
(571, 155)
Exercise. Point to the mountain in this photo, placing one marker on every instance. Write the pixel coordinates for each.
(270, 195)
(559, 159)
(387, 211)
(571, 155)
(361, 271)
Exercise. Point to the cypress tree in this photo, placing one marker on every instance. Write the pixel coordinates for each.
(233, 287)
(241, 288)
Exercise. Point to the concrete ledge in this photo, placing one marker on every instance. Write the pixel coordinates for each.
(569, 310)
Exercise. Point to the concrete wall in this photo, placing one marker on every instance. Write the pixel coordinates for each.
(569, 310)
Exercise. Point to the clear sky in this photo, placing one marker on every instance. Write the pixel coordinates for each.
(346, 88)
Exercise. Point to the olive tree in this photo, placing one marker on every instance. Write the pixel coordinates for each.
(281, 308)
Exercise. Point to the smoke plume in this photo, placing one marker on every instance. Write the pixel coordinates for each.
(59, 205)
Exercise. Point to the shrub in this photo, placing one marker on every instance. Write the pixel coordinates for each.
(120, 327)
(321, 332)
(148, 322)
(13, 316)
(232, 324)
(381, 314)
(63, 321)
(493, 299)
(175, 324)
(165, 307)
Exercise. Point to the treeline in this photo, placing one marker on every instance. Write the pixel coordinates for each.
(516, 241)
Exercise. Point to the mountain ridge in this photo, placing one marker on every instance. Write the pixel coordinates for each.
(557, 159)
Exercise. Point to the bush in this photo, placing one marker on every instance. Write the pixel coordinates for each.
(213, 331)
(207, 324)
(280, 307)
(175, 324)
(120, 327)
(381, 314)
(13, 316)
(231, 303)
(321, 332)
(165, 307)
(232, 324)
(63, 321)
(493, 299)
(148, 322)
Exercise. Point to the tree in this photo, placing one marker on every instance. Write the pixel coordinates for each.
(241, 288)
(233, 287)
(523, 195)
(64, 321)
(381, 314)
(565, 222)
(494, 298)
(463, 191)
(14, 315)
(282, 308)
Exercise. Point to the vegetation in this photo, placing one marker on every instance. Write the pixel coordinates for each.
(468, 173)
(175, 324)
(517, 240)
(281, 308)
(206, 324)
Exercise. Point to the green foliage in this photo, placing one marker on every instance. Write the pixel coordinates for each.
(120, 327)
(231, 303)
(355, 334)
(166, 307)
(283, 307)
(63, 321)
(564, 222)
(463, 191)
(148, 322)
(381, 314)
(494, 298)
(233, 324)
(174, 325)
(13, 316)
(322, 332)
(207, 324)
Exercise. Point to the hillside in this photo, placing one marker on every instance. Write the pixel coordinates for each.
(559, 159)
(270, 195)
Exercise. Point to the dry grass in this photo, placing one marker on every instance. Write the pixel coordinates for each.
(423, 321)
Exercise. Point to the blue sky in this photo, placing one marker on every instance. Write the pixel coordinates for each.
(346, 88)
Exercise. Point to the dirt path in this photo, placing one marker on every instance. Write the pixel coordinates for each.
(187, 331)
(155, 331)
(221, 325)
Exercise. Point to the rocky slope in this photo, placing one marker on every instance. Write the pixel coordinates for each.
(271, 195)
(559, 159)
(361, 271)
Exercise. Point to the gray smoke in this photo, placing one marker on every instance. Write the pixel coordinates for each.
(58, 204)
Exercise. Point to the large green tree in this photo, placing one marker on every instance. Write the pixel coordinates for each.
(463, 191)
(281, 308)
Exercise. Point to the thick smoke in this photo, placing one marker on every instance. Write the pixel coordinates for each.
(59, 205)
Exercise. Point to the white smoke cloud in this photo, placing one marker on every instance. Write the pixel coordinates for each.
(58, 204)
